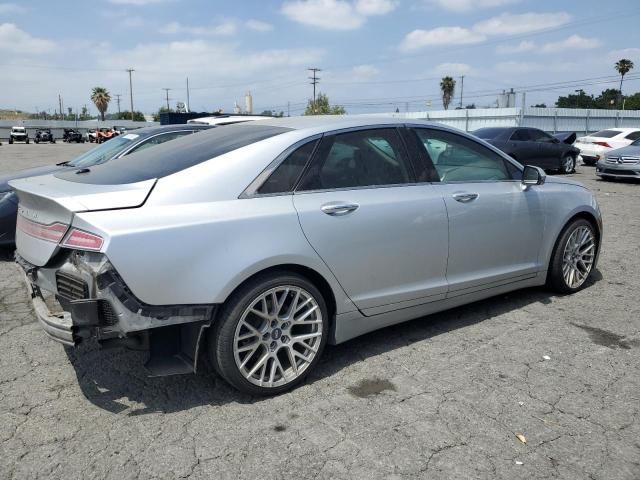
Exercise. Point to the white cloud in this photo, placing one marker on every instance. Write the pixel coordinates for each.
(455, 69)
(11, 8)
(513, 24)
(632, 53)
(225, 28)
(504, 24)
(574, 42)
(469, 5)
(517, 67)
(523, 46)
(440, 36)
(14, 40)
(335, 14)
(364, 72)
(375, 7)
(258, 25)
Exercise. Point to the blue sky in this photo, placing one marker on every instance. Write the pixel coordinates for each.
(376, 55)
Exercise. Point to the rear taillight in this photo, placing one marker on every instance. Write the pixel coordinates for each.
(82, 240)
(602, 144)
(51, 233)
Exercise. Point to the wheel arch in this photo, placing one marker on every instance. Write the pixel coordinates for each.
(582, 214)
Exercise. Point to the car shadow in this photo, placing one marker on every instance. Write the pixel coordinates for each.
(116, 380)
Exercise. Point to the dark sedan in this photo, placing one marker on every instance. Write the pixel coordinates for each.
(531, 146)
(117, 147)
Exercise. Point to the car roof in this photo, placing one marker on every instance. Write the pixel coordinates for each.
(147, 131)
(321, 123)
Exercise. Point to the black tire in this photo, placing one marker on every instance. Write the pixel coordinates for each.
(10, 141)
(568, 164)
(555, 278)
(27, 142)
(37, 141)
(221, 335)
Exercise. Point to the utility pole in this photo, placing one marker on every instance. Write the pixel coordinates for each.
(60, 103)
(188, 107)
(461, 88)
(314, 81)
(288, 108)
(166, 90)
(131, 70)
(118, 95)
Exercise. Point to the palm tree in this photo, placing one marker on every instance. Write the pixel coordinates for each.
(101, 98)
(623, 66)
(447, 87)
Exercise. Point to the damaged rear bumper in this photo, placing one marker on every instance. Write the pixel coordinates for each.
(80, 296)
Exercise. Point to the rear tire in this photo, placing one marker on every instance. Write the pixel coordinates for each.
(568, 164)
(573, 257)
(270, 334)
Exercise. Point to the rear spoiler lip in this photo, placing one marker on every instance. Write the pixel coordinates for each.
(566, 137)
(81, 201)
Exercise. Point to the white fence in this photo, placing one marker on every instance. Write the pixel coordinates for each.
(548, 119)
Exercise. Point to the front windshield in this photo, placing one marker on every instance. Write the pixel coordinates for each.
(102, 153)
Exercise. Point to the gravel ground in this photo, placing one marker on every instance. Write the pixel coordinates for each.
(440, 397)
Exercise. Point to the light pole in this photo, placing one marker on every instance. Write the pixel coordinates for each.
(131, 70)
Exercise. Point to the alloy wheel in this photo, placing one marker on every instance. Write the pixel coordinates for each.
(578, 257)
(568, 164)
(278, 336)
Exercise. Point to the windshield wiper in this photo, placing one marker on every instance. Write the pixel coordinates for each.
(63, 164)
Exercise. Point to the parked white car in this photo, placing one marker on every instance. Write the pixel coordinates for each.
(595, 147)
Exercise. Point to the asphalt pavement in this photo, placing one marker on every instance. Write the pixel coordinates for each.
(524, 385)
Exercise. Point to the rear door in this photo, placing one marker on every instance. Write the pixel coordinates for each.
(522, 148)
(495, 227)
(549, 150)
(382, 232)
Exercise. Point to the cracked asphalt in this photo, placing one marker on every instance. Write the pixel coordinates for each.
(445, 396)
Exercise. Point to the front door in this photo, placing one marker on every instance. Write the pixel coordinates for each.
(495, 227)
(383, 235)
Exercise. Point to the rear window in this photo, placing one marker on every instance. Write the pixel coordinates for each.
(488, 132)
(174, 156)
(606, 133)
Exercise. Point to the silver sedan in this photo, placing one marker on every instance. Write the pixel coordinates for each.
(256, 244)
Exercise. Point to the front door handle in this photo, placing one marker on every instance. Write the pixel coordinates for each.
(465, 197)
(339, 209)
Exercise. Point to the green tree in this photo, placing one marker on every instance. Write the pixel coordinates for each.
(447, 87)
(100, 97)
(607, 98)
(137, 116)
(578, 100)
(323, 107)
(623, 66)
(632, 102)
(272, 113)
(540, 105)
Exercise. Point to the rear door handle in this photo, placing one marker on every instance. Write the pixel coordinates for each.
(465, 197)
(339, 209)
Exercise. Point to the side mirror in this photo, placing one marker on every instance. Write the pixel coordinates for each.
(533, 175)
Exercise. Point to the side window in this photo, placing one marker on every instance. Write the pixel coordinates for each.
(285, 177)
(540, 136)
(359, 159)
(520, 135)
(459, 159)
(158, 139)
(633, 135)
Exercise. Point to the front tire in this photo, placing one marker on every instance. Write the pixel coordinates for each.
(573, 257)
(269, 334)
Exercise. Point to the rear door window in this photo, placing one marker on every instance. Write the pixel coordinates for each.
(520, 135)
(364, 158)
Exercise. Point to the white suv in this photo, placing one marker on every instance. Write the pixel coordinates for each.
(18, 134)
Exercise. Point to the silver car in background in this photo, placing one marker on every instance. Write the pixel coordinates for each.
(257, 243)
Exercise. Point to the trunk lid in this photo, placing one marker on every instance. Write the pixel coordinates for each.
(47, 200)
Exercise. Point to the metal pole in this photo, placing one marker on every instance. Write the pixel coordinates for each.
(60, 104)
(461, 88)
(166, 90)
(130, 70)
(118, 95)
(188, 107)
